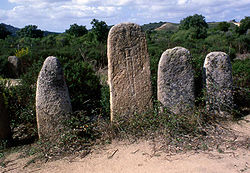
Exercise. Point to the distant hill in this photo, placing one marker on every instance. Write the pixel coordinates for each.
(168, 27)
(157, 26)
(215, 24)
(212, 24)
(152, 26)
(49, 33)
(13, 30)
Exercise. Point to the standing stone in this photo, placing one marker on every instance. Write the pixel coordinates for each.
(52, 99)
(5, 132)
(15, 66)
(128, 71)
(219, 83)
(175, 89)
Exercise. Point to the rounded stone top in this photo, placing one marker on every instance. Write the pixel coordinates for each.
(124, 26)
(14, 60)
(172, 54)
(220, 56)
(176, 50)
(216, 54)
(179, 48)
(12, 57)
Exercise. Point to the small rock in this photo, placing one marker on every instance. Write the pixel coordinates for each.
(15, 66)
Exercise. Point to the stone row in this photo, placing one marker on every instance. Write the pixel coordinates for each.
(129, 77)
(130, 83)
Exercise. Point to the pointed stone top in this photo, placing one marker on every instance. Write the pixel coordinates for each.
(52, 100)
(52, 71)
(52, 61)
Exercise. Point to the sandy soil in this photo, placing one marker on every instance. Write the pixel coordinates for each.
(140, 157)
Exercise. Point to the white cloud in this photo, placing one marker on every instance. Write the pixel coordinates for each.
(20, 1)
(85, 2)
(57, 15)
(36, 1)
(182, 2)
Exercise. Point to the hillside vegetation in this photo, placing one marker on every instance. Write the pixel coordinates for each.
(84, 58)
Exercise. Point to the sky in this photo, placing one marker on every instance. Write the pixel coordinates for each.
(58, 15)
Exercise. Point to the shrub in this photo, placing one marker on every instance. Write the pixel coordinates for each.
(223, 26)
(241, 72)
(77, 30)
(105, 100)
(241, 78)
(4, 70)
(20, 102)
(22, 52)
(196, 25)
(83, 84)
(244, 25)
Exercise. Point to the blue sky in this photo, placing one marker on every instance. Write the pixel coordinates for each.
(58, 15)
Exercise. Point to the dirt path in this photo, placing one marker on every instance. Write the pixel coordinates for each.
(121, 157)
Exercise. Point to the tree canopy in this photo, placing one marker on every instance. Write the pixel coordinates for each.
(77, 30)
(3, 32)
(244, 25)
(223, 26)
(100, 29)
(30, 31)
(196, 24)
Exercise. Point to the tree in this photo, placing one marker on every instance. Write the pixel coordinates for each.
(244, 25)
(223, 26)
(30, 31)
(196, 24)
(77, 30)
(3, 32)
(100, 29)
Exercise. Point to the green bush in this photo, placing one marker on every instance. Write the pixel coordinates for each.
(196, 25)
(105, 100)
(4, 70)
(241, 73)
(154, 124)
(223, 26)
(84, 85)
(20, 103)
(241, 79)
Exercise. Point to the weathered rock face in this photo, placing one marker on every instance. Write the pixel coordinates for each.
(219, 83)
(175, 83)
(128, 71)
(52, 99)
(15, 66)
(5, 132)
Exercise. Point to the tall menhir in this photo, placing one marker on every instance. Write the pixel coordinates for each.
(52, 100)
(175, 83)
(128, 71)
(219, 83)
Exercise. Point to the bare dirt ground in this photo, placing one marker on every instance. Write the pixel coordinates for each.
(143, 157)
